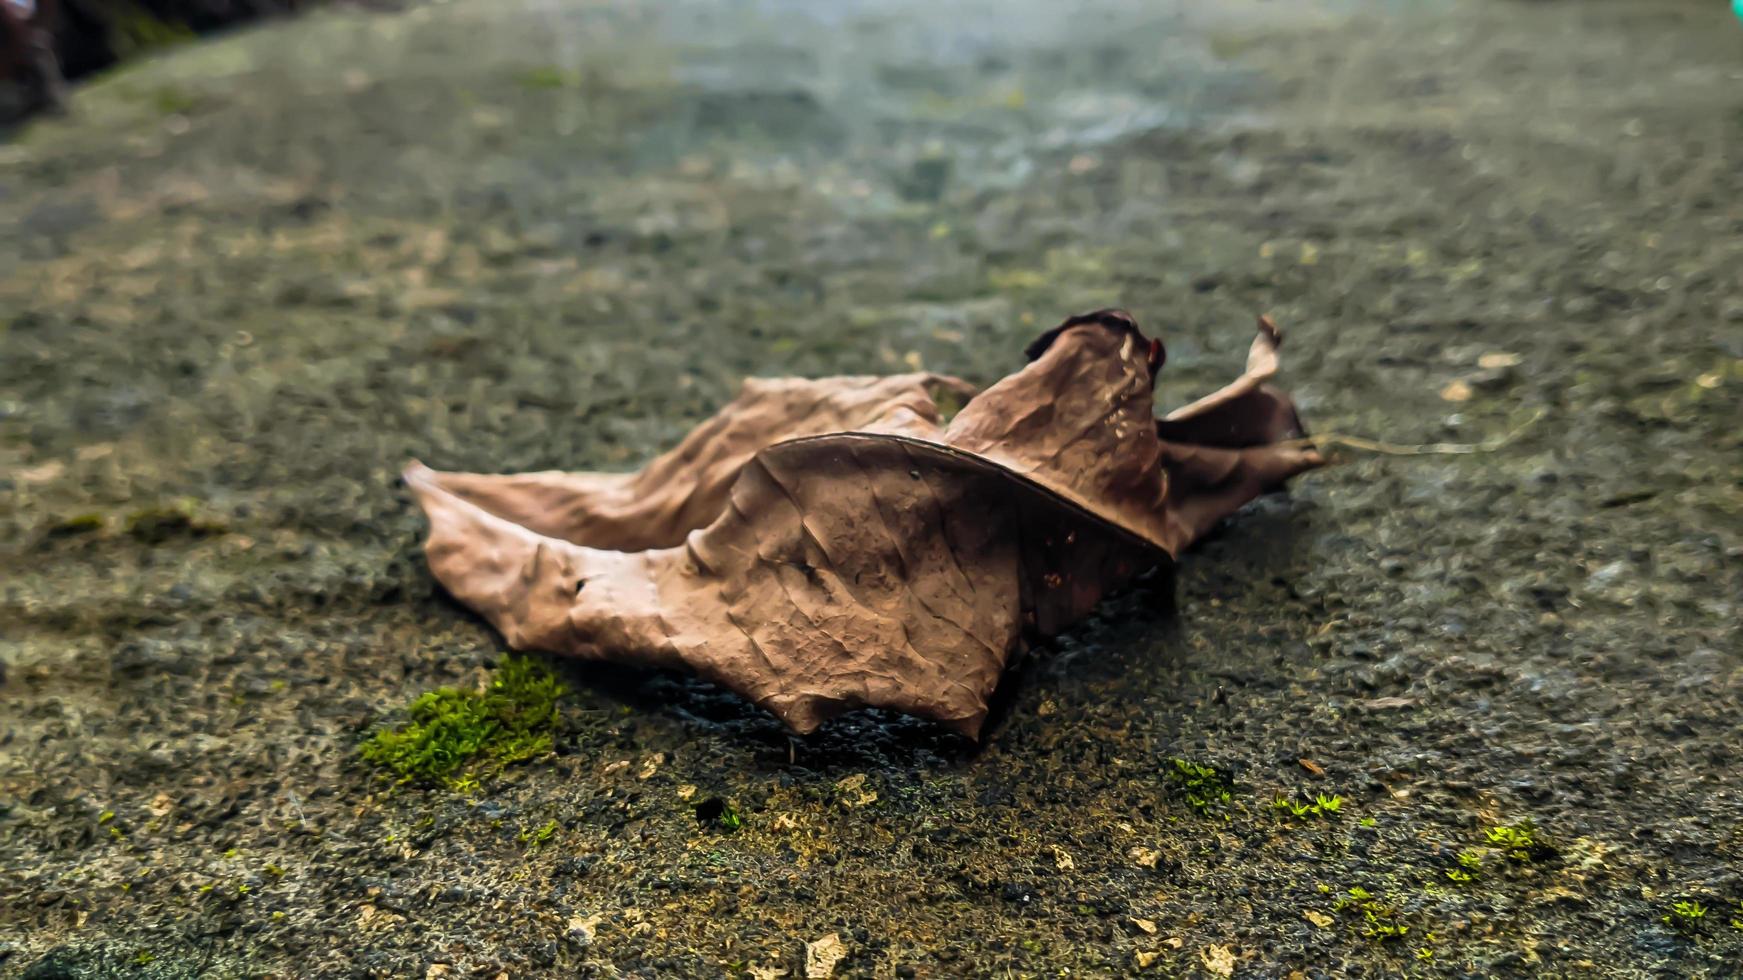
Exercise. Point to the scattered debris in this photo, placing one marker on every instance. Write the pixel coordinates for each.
(822, 955)
(45, 473)
(1219, 960)
(1383, 704)
(580, 931)
(1144, 857)
(851, 792)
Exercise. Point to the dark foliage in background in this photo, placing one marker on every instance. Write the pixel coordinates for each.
(87, 36)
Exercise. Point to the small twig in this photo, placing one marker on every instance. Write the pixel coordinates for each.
(1425, 449)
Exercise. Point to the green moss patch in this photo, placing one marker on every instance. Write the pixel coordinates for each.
(1379, 920)
(74, 526)
(1320, 806)
(1521, 842)
(1206, 789)
(454, 737)
(180, 519)
(547, 77)
(1470, 867)
(1686, 917)
(534, 838)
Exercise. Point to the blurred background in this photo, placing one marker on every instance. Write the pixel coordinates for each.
(255, 256)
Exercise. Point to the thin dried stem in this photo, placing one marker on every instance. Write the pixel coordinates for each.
(1325, 440)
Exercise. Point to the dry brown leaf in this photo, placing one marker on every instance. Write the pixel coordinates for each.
(1312, 766)
(820, 546)
(687, 488)
(1319, 919)
(1457, 390)
(1498, 359)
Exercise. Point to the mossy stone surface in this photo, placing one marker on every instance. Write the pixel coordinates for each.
(260, 271)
